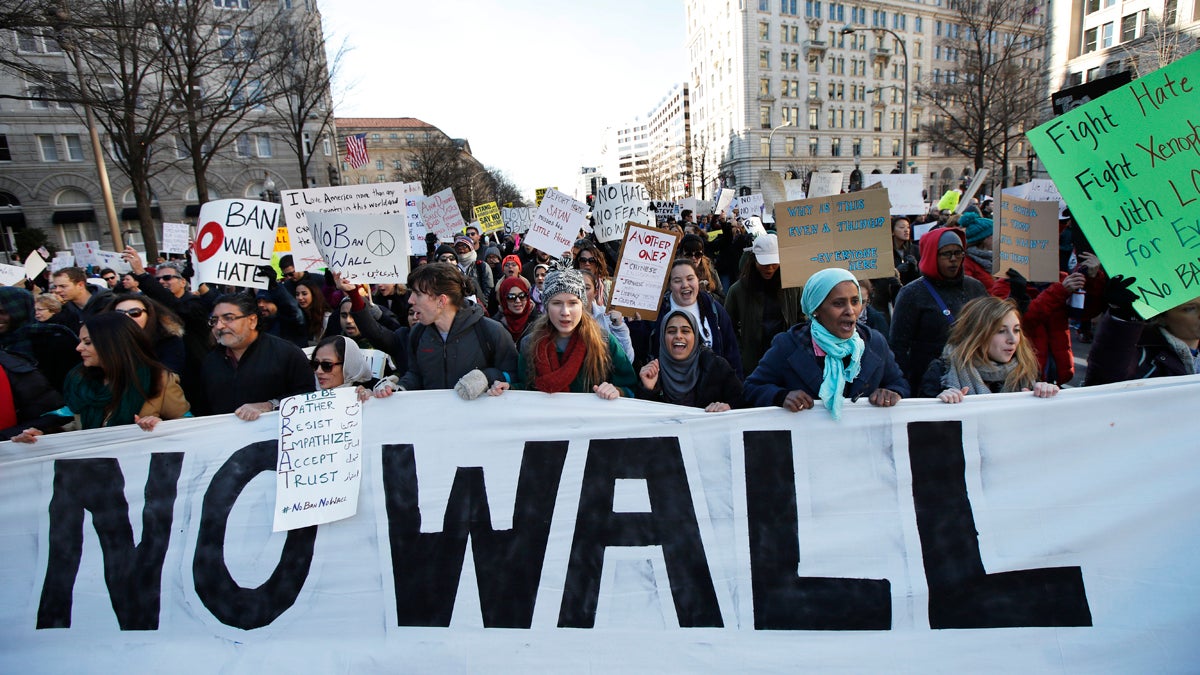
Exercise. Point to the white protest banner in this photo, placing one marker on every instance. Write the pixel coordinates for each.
(642, 271)
(517, 220)
(556, 223)
(82, 250)
(904, 191)
(236, 237)
(851, 231)
(794, 189)
(440, 214)
(61, 260)
(11, 274)
(319, 469)
(111, 260)
(724, 199)
(750, 205)
(565, 533)
(34, 264)
(1028, 238)
(372, 198)
(617, 204)
(365, 248)
(688, 204)
(175, 238)
(824, 185)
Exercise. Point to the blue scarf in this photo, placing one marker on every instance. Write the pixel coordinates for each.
(837, 374)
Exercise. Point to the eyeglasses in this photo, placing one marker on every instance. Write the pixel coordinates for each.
(168, 277)
(951, 255)
(133, 313)
(110, 278)
(325, 366)
(225, 319)
(516, 297)
(694, 255)
(587, 261)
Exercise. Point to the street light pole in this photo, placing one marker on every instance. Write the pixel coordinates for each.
(771, 142)
(904, 116)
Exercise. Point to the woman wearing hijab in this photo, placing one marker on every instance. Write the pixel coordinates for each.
(684, 292)
(688, 373)
(517, 312)
(339, 362)
(830, 358)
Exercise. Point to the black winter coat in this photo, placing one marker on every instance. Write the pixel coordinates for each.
(270, 368)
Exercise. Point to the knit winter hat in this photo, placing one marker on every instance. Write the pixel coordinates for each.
(978, 228)
(443, 249)
(511, 258)
(564, 280)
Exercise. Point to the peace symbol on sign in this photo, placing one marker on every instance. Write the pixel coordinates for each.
(381, 242)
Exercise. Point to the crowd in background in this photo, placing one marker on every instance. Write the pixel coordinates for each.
(88, 348)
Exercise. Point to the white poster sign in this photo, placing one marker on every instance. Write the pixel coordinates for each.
(617, 204)
(794, 189)
(111, 260)
(61, 261)
(11, 274)
(365, 248)
(413, 193)
(373, 198)
(771, 183)
(516, 220)
(83, 250)
(1036, 190)
(319, 469)
(561, 532)
(664, 209)
(904, 191)
(750, 205)
(440, 215)
(556, 223)
(175, 238)
(34, 264)
(724, 199)
(824, 185)
(646, 256)
(236, 237)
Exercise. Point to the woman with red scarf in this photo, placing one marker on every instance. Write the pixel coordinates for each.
(517, 313)
(566, 351)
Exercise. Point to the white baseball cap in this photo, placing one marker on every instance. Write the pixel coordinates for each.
(766, 249)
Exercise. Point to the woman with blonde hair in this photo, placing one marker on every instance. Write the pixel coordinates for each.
(985, 354)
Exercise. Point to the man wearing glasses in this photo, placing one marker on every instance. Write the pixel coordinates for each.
(248, 372)
(927, 306)
(111, 278)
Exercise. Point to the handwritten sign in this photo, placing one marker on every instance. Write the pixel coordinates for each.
(111, 260)
(1036, 190)
(174, 238)
(11, 274)
(320, 458)
(824, 185)
(851, 231)
(365, 248)
(413, 194)
(374, 198)
(556, 223)
(794, 189)
(440, 214)
(61, 261)
(1127, 165)
(642, 270)
(236, 237)
(617, 204)
(750, 205)
(34, 264)
(904, 191)
(489, 218)
(82, 250)
(1027, 238)
(664, 209)
(516, 220)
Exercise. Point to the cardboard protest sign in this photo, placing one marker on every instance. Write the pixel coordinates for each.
(1027, 238)
(904, 191)
(556, 224)
(489, 218)
(372, 198)
(365, 248)
(516, 220)
(642, 270)
(617, 204)
(283, 241)
(1126, 163)
(794, 189)
(175, 238)
(34, 264)
(319, 468)
(236, 237)
(441, 216)
(824, 185)
(724, 199)
(11, 274)
(773, 191)
(851, 231)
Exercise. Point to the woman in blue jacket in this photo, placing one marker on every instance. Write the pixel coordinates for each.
(797, 369)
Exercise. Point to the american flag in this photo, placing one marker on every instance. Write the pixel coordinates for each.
(356, 151)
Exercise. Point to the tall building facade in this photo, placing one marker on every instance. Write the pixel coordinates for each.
(397, 145)
(48, 175)
(626, 151)
(779, 84)
(1097, 38)
(670, 172)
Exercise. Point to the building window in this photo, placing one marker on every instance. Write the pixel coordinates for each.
(789, 145)
(814, 65)
(764, 86)
(764, 146)
(895, 147)
(764, 58)
(875, 147)
(326, 146)
(74, 147)
(764, 30)
(397, 165)
(764, 116)
(788, 6)
(918, 26)
(813, 116)
(835, 147)
(381, 178)
(1106, 35)
(242, 145)
(379, 165)
(5, 153)
(231, 4)
(1129, 28)
(362, 180)
(812, 9)
(263, 142)
(812, 146)
(48, 147)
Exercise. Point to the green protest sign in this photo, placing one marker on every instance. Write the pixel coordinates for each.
(1128, 165)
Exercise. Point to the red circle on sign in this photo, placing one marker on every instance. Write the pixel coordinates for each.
(215, 236)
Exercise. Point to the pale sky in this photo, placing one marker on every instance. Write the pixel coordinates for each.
(530, 84)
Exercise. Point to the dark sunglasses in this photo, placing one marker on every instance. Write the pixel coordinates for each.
(585, 261)
(516, 297)
(325, 366)
(110, 278)
(133, 313)
(694, 255)
(168, 277)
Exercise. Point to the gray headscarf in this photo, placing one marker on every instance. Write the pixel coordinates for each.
(356, 368)
(678, 378)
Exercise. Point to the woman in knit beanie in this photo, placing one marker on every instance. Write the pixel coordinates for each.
(565, 350)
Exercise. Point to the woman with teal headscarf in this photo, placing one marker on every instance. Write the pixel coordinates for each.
(831, 357)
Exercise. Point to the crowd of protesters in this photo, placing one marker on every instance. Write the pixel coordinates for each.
(83, 349)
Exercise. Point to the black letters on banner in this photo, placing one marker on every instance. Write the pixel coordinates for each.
(671, 523)
(232, 605)
(783, 600)
(426, 567)
(961, 593)
(133, 574)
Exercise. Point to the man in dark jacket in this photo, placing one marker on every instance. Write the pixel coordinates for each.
(80, 301)
(926, 308)
(248, 372)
